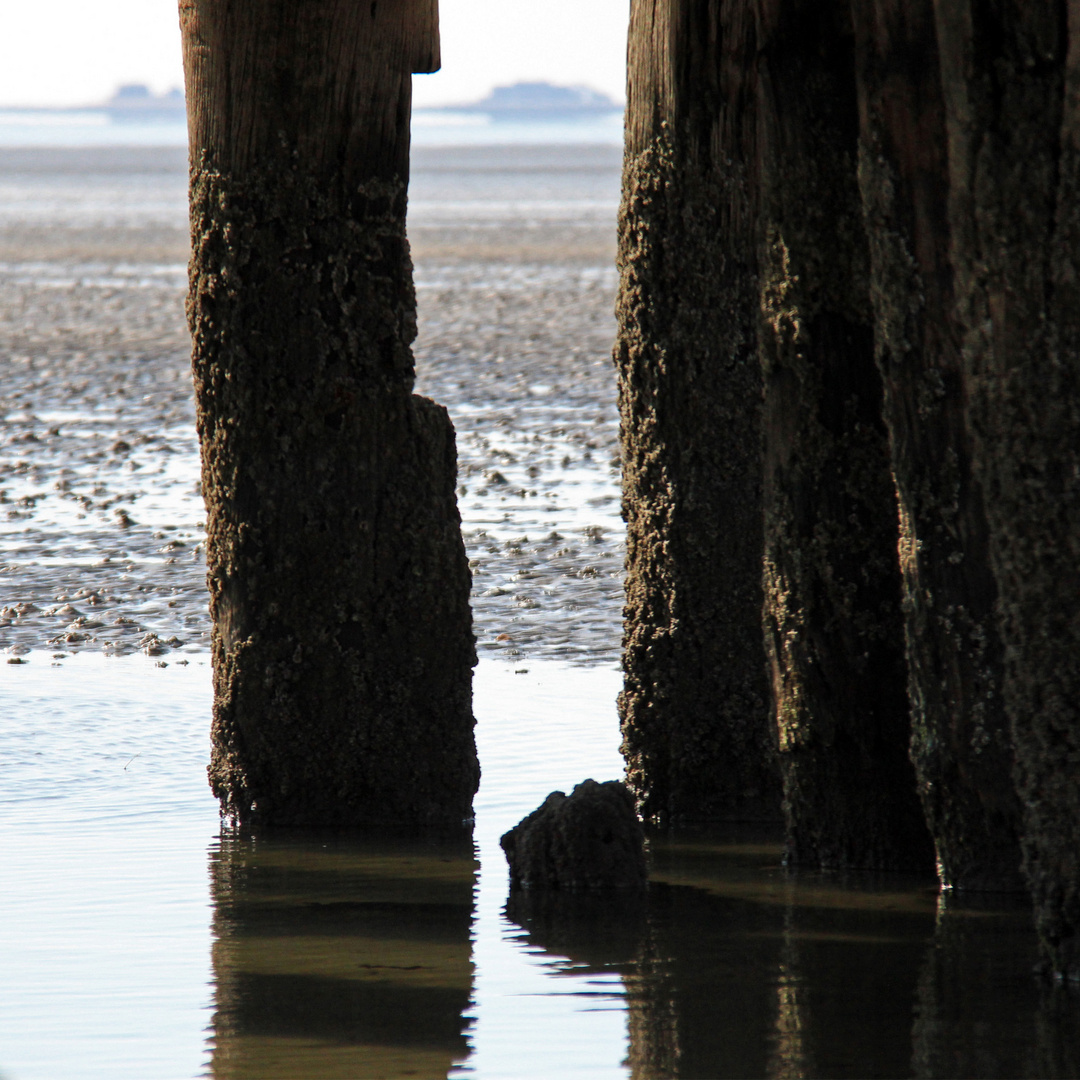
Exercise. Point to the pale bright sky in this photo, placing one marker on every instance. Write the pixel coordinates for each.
(66, 52)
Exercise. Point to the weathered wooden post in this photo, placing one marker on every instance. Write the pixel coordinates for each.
(961, 743)
(695, 720)
(746, 120)
(741, 229)
(833, 623)
(1010, 77)
(342, 644)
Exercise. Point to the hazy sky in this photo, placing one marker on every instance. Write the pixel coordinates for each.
(57, 52)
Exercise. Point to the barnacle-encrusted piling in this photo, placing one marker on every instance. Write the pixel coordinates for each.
(961, 744)
(833, 623)
(1012, 112)
(342, 644)
(694, 708)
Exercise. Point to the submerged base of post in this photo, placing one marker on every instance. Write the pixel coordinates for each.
(349, 699)
(343, 678)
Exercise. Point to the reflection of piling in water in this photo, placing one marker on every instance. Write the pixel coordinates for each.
(606, 932)
(846, 975)
(652, 1017)
(986, 942)
(735, 966)
(609, 932)
(602, 930)
(789, 1059)
(778, 977)
(721, 955)
(341, 956)
(699, 998)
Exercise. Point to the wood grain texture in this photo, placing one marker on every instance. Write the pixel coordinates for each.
(1010, 76)
(961, 742)
(327, 81)
(832, 616)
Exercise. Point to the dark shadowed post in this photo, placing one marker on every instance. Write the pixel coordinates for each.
(695, 721)
(1011, 85)
(833, 624)
(961, 743)
(342, 644)
(952, 129)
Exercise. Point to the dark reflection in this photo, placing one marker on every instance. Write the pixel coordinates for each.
(734, 966)
(980, 1012)
(702, 998)
(846, 983)
(599, 930)
(341, 955)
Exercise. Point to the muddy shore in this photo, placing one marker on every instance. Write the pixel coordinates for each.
(101, 536)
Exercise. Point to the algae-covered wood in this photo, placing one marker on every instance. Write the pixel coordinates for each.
(694, 708)
(832, 617)
(961, 743)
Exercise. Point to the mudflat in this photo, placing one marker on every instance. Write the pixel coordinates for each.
(101, 516)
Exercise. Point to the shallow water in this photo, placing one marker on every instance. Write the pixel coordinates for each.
(136, 939)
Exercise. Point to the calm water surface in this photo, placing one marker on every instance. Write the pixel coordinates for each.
(138, 940)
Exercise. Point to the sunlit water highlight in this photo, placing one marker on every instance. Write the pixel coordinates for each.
(106, 826)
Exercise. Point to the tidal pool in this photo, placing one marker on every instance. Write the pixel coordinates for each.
(138, 940)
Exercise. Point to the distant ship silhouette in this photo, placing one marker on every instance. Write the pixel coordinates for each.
(135, 102)
(538, 101)
(523, 101)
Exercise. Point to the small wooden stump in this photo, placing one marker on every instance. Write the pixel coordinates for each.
(589, 840)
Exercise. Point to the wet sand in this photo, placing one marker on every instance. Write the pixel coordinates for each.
(100, 512)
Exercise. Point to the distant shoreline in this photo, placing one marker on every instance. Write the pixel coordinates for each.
(163, 114)
(47, 127)
(521, 103)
